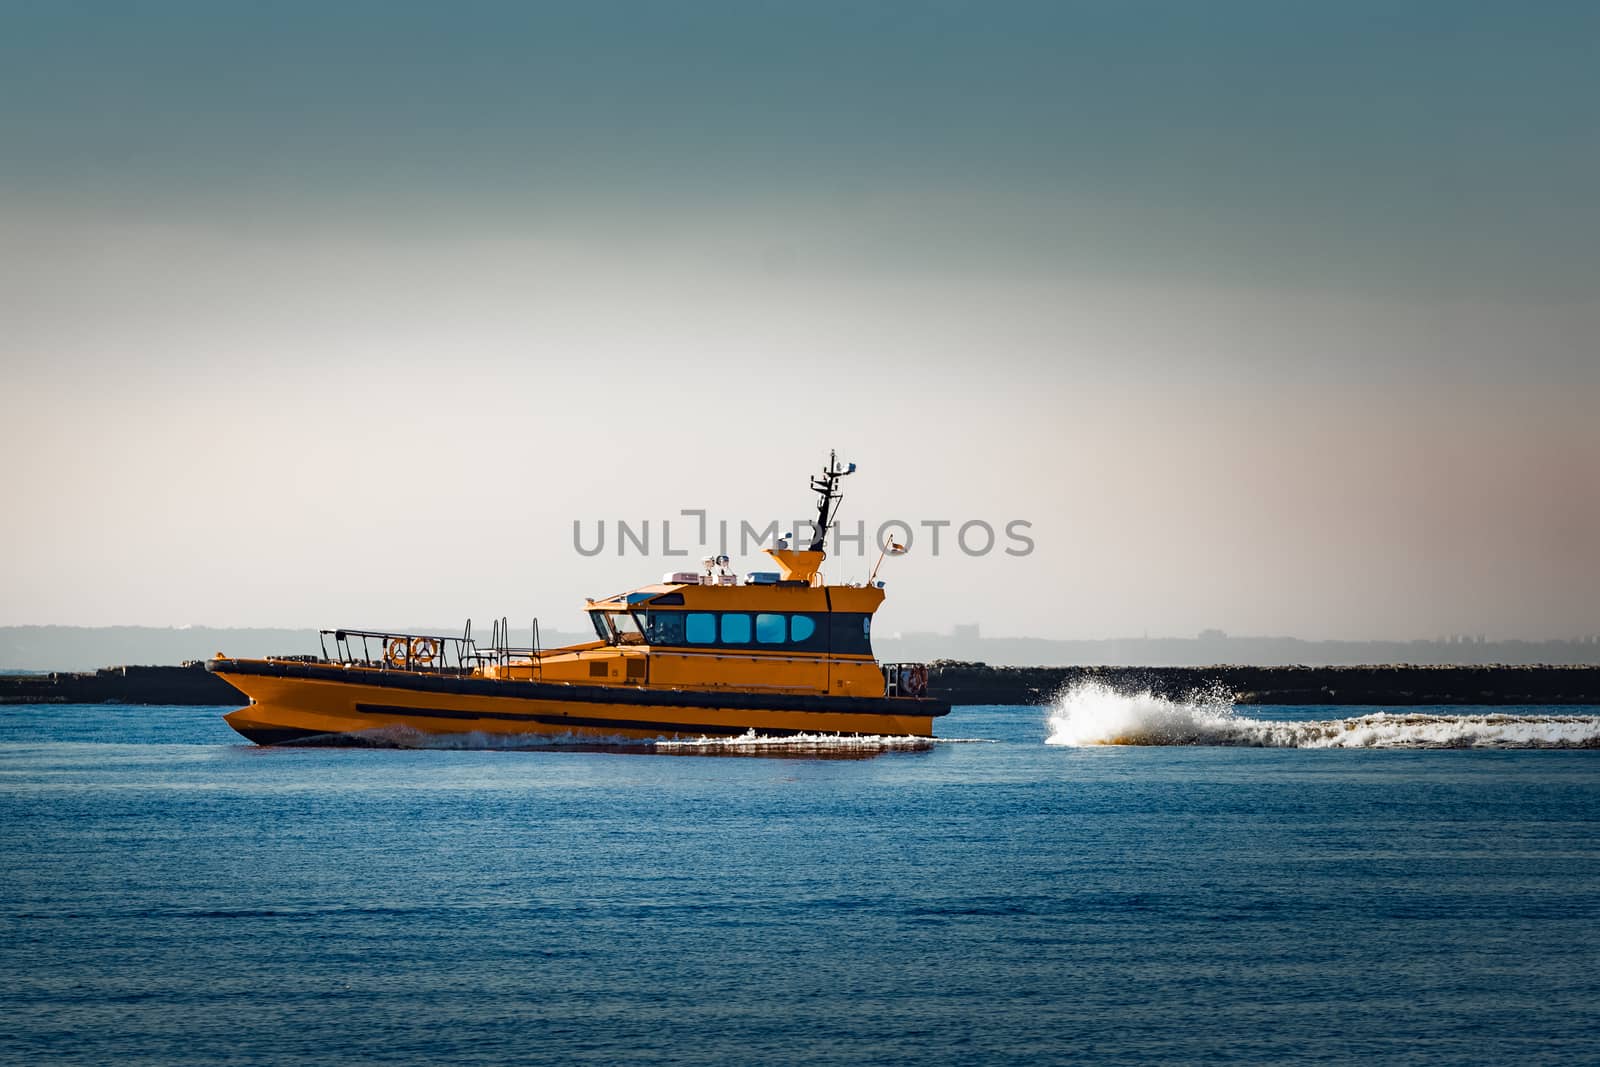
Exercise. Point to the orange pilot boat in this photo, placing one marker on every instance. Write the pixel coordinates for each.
(700, 654)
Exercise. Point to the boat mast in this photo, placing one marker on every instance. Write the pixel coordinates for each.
(828, 496)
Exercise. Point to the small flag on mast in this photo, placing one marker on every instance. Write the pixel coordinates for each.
(891, 547)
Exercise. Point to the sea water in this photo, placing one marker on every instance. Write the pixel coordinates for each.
(1115, 879)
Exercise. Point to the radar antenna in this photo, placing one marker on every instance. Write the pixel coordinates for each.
(828, 496)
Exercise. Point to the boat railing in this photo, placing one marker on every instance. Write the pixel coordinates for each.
(905, 679)
(430, 653)
(501, 653)
(390, 650)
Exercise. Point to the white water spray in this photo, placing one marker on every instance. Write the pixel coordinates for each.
(752, 743)
(1092, 713)
(747, 744)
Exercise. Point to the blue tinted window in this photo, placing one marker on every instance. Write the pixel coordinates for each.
(700, 628)
(801, 627)
(735, 629)
(771, 629)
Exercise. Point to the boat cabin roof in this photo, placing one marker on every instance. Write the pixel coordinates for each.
(748, 597)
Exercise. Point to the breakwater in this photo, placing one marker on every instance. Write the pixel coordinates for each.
(978, 683)
(189, 684)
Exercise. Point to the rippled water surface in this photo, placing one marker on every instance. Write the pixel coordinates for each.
(170, 895)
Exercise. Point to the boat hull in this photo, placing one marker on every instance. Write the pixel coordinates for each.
(300, 702)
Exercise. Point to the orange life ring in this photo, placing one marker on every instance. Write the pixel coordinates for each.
(397, 651)
(423, 650)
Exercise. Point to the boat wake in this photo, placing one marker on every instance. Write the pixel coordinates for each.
(804, 746)
(1092, 713)
(808, 746)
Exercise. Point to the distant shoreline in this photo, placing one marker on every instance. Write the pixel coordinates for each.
(1398, 685)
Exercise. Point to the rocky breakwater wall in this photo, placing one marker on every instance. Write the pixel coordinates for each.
(1393, 684)
(189, 684)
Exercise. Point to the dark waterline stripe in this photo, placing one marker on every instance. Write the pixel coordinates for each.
(566, 720)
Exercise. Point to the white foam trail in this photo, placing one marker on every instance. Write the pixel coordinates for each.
(1092, 713)
(753, 743)
(750, 743)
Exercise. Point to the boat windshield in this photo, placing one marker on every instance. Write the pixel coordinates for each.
(616, 627)
(627, 627)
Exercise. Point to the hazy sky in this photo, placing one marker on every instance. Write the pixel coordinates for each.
(1276, 317)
